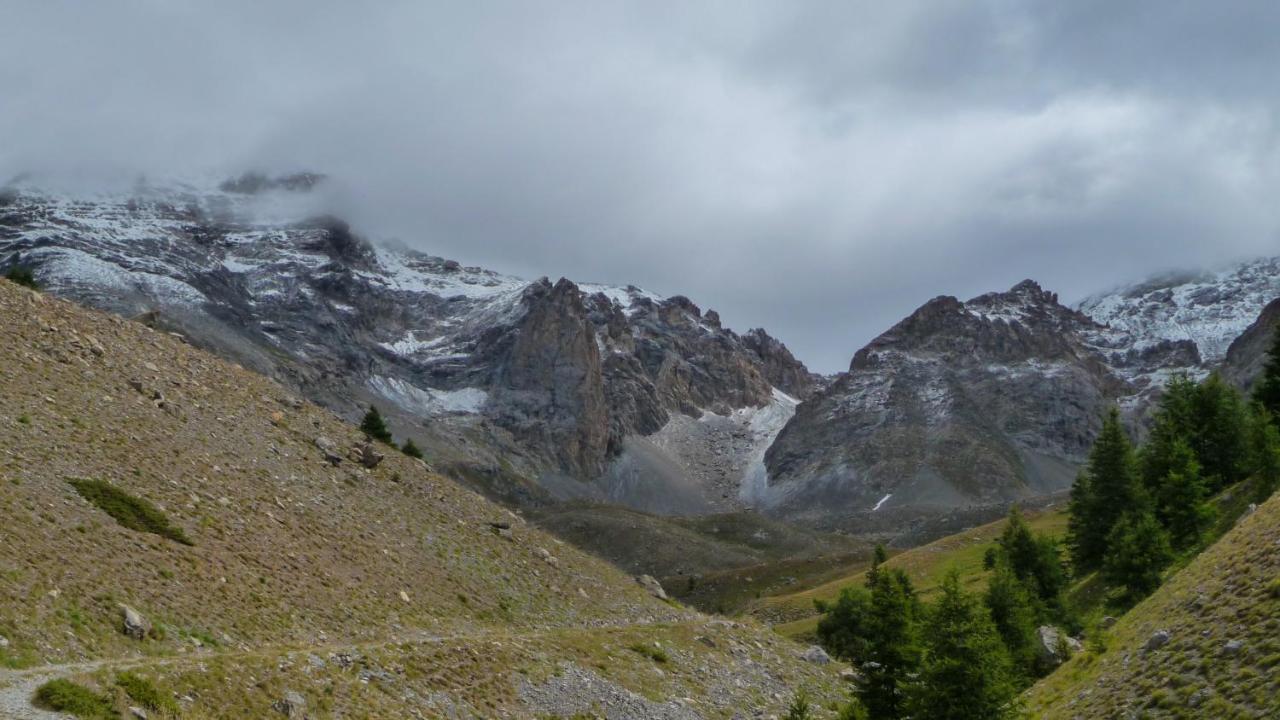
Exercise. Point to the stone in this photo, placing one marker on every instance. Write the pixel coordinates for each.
(652, 586)
(1054, 647)
(330, 450)
(277, 418)
(404, 596)
(367, 455)
(1233, 647)
(816, 655)
(1158, 639)
(1106, 622)
(137, 712)
(292, 705)
(4, 642)
(135, 624)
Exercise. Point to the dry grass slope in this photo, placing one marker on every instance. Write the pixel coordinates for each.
(1222, 658)
(289, 552)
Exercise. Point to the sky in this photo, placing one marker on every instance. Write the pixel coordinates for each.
(819, 169)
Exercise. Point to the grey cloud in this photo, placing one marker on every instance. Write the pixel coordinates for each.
(816, 168)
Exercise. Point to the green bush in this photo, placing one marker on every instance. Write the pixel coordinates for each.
(65, 696)
(22, 276)
(653, 652)
(145, 694)
(411, 450)
(131, 512)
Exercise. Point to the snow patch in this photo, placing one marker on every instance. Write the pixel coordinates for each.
(429, 401)
(883, 500)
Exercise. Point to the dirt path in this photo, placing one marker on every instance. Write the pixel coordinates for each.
(18, 686)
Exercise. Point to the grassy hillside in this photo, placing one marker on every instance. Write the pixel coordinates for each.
(1222, 657)
(137, 470)
(794, 613)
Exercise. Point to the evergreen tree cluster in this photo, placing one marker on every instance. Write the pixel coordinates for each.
(947, 660)
(1135, 510)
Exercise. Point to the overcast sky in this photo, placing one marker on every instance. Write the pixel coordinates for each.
(816, 168)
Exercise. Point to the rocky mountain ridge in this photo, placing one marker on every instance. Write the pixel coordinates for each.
(540, 391)
(511, 378)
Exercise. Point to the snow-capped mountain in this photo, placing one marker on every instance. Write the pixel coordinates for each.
(506, 378)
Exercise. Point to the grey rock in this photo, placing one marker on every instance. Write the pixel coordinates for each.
(1054, 647)
(1106, 622)
(1232, 647)
(1158, 639)
(292, 705)
(329, 449)
(652, 586)
(134, 624)
(815, 655)
(367, 455)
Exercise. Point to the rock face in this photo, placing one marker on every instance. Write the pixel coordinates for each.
(1247, 354)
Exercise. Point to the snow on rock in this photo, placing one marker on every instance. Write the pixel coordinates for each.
(883, 500)
(429, 401)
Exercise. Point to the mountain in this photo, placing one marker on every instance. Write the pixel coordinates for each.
(541, 393)
(246, 555)
(996, 399)
(501, 380)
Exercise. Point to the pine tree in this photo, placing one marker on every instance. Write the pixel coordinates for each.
(893, 645)
(375, 427)
(1266, 389)
(1108, 487)
(1219, 440)
(1264, 452)
(1016, 613)
(966, 673)
(844, 628)
(1181, 498)
(1138, 552)
(1035, 559)
(410, 449)
(1175, 420)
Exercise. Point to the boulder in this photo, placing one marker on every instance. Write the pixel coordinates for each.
(330, 450)
(653, 587)
(1106, 622)
(1054, 647)
(135, 625)
(366, 455)
(1158, 639)
(292, 705)
(1233, 647)
(815, 655)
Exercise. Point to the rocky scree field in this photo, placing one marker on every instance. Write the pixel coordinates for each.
(318, 577)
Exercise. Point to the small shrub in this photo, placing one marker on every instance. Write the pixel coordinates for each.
(65, 696)
(1273, 589)
(145, 694)
(653, 652)
(799, 708)
(131, 512)
(410, 449)
(22, 276)
(375, 427)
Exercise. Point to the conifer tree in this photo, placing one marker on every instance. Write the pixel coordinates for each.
(965, 673)
(1035, 559)
(375, 427)
(1264, 452)
(411, 449)
(1266, 389)
(1016, 613)
(893, 643)
(1181, 498)
(1138, 552)
(844, 628)
(1175, 420)
(1108, 487)
(1219, 440)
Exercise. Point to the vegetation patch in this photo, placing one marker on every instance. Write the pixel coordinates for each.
(22, 276)
(65, 696)
(131, 512)
(141, 691)
(653, 652)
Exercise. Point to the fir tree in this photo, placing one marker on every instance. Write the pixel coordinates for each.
(893, 645)
(1266, 389)
(1181, 498)
(375, 427)
(1264, 452)
(1016, 613)
(966, 673)
(844, 628)
(1108, 487)
(1219, 438)
(410, 449)
(1034, 559)
(1175, 420)
(1138, 553)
